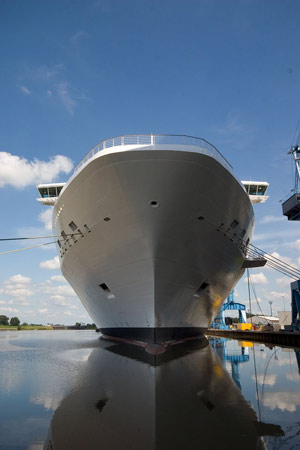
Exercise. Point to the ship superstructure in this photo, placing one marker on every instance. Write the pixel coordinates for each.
(155, 230)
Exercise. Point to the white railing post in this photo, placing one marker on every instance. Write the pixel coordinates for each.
(152, 139)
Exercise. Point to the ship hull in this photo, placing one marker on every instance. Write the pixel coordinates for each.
(160, 240)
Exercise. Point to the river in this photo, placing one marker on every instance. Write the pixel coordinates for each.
(62, 390)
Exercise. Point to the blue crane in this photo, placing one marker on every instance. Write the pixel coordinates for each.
(235, 359)
(291, 206)
(291, 209)
(230, 304)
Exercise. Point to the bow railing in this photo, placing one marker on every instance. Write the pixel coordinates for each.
(154, 139)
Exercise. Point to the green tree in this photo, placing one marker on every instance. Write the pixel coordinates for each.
(4, 320)
(14, 321)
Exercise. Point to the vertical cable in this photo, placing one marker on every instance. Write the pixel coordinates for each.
(257, 393)
(249, 296)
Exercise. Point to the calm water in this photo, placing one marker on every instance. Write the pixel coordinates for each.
(65, 390)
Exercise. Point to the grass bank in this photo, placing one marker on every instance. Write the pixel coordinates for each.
(25, 327)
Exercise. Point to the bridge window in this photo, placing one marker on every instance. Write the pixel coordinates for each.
(253, 189)
(44, 192)
(261, 190)
(52, 192)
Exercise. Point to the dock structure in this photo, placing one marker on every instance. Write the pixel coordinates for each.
(286, 339)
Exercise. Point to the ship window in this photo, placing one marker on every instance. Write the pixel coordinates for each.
(107, 219)
(52, 192)
(73, 226)
(59, 188)
(203, 286)
(43, 192)
(59, 244)
(261, 190)
(200, 218)
(243, 232)
(101, 403)
(153, 203)
(104, 287)
(253, 189)
(64, 235)
(234, 224)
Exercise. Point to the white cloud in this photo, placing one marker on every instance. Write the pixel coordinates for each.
(284, 281)
(270, 236)
(18, 286)
(268, 379)
(46, 218)
(58, 293)
(285, 401)
(25, 90)
(51, 81)
(20, 279)
(9, 310)
(78, 36)
(59, 300)
(235, 132)
(296, 244)
(233, 125)
(16, 301)
(73, 307)
(18, 172)
(45, 73)
(49, 401)
(285, 259)
(58, 278)
(272, 219)
(278, 295)
(66, 97)
(292, 376)
(49, 299)
(65, 290)
(20, 293)
(257, 278)
(50, 264)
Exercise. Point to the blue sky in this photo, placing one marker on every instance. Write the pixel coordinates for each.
(75, 72)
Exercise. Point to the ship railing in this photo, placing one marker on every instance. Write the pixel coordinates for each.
(154, 139)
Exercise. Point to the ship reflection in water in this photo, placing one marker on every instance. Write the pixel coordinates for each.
(181, 399)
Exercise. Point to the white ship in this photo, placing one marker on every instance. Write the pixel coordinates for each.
(154, 233)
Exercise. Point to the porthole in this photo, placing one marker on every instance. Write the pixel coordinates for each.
(154, 203)
(106, 219)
